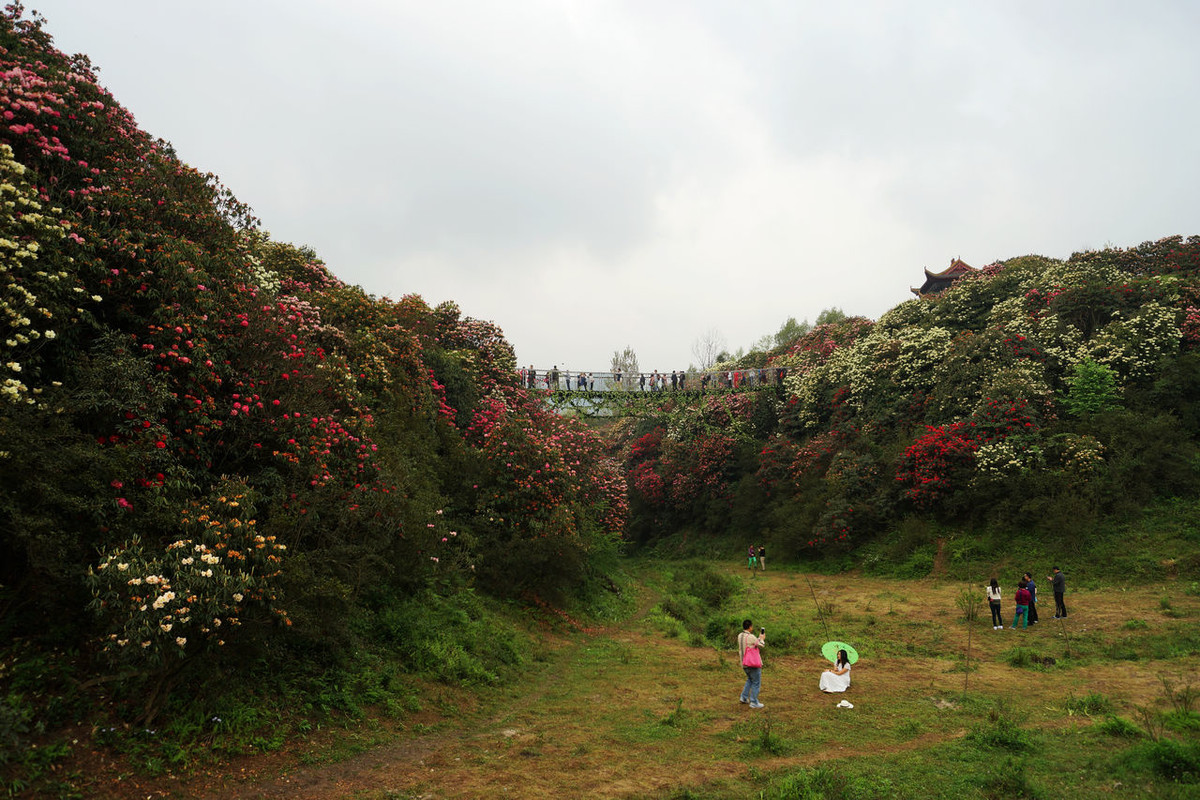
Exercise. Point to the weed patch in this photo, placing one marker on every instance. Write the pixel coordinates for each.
(1119, 727)
(1089, 704)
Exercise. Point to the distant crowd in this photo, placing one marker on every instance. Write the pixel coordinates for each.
(555, 380)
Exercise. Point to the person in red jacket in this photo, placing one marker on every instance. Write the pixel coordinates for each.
(1022, 599)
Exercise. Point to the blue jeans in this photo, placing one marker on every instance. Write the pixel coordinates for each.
(753, 684)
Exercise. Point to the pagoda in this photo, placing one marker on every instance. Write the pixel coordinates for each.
(936, 282)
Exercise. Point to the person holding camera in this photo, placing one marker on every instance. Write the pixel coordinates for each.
(748, 647)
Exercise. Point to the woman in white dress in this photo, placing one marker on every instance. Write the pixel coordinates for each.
(838, 678)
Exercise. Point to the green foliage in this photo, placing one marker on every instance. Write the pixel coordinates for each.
(1170, 759)
(214, 453)
(1001, 731)
(828, 783)
(1120, 727)
(453, 638)
(790, 331)
(1092, 388)
(1011, 781)
(1089, 704)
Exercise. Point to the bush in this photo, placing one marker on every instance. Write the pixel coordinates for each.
(711, 587)
(1010, 782)
(1119, 726)
(826, 783)
(1000, 731)
(1089, 704)
(454, 639)
(1171, 759)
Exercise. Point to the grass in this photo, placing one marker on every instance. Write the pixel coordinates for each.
(629, 711)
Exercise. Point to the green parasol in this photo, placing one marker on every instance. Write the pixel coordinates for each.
(830, 651)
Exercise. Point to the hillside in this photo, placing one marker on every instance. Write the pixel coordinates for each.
(214, 454)
(1036, 397)
(242, 500)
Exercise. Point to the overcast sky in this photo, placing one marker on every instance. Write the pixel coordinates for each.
(591, 175)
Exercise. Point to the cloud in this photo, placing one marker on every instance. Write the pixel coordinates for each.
(596, 175)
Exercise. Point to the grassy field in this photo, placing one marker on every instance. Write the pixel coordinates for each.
(1105, 704)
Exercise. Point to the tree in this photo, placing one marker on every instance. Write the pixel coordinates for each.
(708, 347)
(1092, 388)
(763, 343)
(624, 362)
(790, 331)
(830, 315)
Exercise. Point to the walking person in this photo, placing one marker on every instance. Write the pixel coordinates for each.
(748, 647)
(1021, 598)
(1032, 587)
(1058, 582)
(993, 597)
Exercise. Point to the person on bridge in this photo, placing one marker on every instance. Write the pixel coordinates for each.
(532, 377)
(552, 379)
(682, 379)
(642, 382)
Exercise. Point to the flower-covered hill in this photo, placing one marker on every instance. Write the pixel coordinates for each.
(210, 444)
(1035, 397)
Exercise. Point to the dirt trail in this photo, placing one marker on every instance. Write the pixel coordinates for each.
(625, 712)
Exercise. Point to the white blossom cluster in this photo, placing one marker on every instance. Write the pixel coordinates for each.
(1012, 456)
(25, 318)
(251, 242)
(1134, 347)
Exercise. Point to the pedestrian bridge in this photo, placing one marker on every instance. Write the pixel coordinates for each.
(612, 394)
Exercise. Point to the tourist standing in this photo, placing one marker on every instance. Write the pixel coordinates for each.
(1032, 587)
(762, 557)
(1021, 598)
(751, 660)
(751, 557)
(993, 598)
(1058, 582)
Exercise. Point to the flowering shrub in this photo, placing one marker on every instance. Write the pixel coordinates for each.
(36, 294)
(1003, 458)
(164, 345)
(162, 606)
(1190, 328)
(935, 464)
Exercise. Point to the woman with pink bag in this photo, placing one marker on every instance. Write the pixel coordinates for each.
(748, 647)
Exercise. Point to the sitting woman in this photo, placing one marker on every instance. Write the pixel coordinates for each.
(838, 678)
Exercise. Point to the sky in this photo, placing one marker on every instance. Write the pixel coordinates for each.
(598, 175)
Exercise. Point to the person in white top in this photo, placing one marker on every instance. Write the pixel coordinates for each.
(993, 596)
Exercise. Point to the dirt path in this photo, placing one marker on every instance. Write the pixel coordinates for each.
(624, 712)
